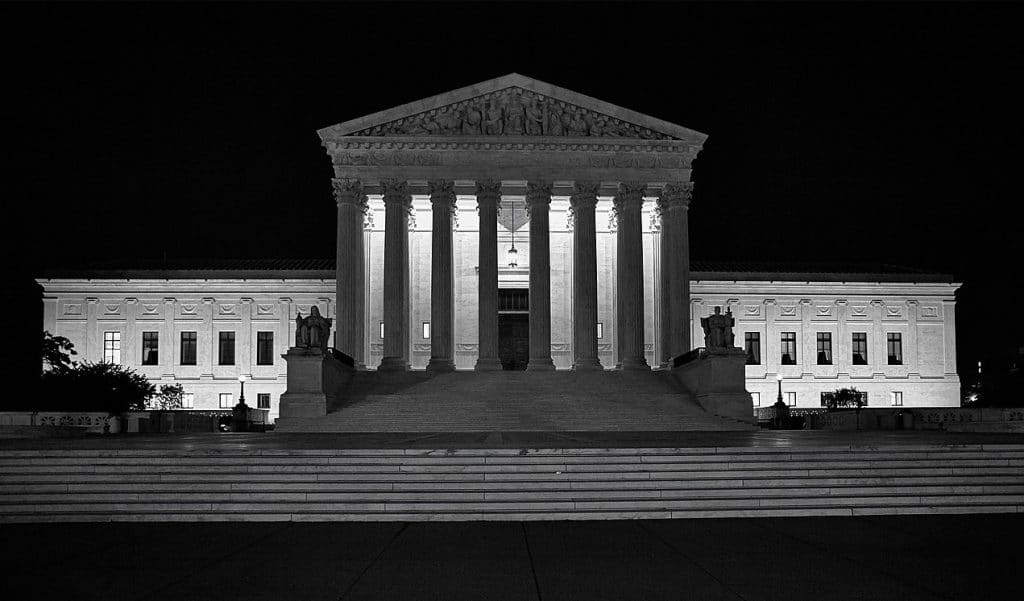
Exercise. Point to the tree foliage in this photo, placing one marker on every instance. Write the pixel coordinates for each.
(57, 352)
(844, 397)
(95, 387)
(168, 398)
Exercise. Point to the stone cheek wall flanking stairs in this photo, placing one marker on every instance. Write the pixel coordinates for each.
(507, 484)
(509, 401)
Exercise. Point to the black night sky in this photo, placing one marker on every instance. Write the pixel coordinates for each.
(838, 132)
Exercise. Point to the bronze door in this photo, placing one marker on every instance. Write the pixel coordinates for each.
(514, 340)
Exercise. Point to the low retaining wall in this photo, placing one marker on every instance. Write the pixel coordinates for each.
(98, 422)
(898, 418)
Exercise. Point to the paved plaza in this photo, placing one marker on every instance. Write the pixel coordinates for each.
(908, 558)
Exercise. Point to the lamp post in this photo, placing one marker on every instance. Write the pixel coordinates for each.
(781, 408)
(240, 413)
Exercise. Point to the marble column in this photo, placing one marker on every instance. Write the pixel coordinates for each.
(678, 196)
(538, 204)
(584, 309)
(442, 282)
(397, 203)
(629, 312)
(665, 277)
(350, 325)
(488, 198)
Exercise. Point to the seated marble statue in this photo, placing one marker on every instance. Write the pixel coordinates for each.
(718, 330)
(312, 331)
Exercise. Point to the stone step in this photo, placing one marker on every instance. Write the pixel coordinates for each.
(946, 482)
(460, 466)
(804, 493)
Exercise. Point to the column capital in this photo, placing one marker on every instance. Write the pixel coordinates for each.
(441, 190)
(538, 191)
(629, 193)
(396, 191)
(488, 191)
(584, 195)
(912, 303)
(349, 191)
(676, 194)
(842, 302)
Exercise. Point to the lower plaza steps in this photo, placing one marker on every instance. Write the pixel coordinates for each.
(511, 401)
(243, 482)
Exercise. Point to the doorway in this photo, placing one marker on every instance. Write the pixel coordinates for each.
(514, 328)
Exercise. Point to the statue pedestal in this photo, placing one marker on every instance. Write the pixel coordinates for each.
(717, 379)
(305, 395)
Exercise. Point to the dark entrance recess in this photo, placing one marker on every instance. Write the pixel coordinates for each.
(514, 328)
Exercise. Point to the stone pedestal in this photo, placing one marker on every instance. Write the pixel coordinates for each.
(305, 395)
(717, 381)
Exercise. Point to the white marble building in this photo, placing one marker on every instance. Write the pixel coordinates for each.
(206, 307)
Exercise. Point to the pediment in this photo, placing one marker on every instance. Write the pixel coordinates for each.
(512, 106)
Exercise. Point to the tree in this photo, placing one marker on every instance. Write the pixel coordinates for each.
(168, 398)
(844, 397)
(96, 387)
(57, 352)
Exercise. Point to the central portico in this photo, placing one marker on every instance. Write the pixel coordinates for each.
(513, 142)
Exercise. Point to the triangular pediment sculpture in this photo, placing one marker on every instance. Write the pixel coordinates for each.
(512, 106)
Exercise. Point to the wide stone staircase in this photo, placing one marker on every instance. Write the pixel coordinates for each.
(241, 483)
(510, 401)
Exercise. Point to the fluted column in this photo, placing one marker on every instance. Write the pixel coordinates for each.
(397, 203)
(442, 283)
(488, 198)
(584, 310)
(678, 196)
(350, 270)
(629, 311)
(538, 203)
(665, 277)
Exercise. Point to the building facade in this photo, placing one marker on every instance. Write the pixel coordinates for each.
(507, 225)
(887, 333)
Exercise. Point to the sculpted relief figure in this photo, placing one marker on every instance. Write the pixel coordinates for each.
(312, 331)
(555, 127)
(471, 120)
(535, 125)
(514, 116)
(578, 126)
(494, 119)
(718, 329)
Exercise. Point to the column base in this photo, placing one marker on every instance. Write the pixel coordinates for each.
(633, 364)
(440, 365)
(393, 364)
(591, 364)
(488, 364)
(540, 364)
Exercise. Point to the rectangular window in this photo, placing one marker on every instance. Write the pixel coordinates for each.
(263, 400)
(824, 398)
(788, 348)
(894, 348)
(111, 347)
(150, 348)
(756, 397)
(426, 329)
(897, 398)
(752, 344)
(264, 348)
(382, 330)
(226, 402)
(863, 399)
(824, 348)
(188, 400)
(226, 349)
(188, 348)
(860, 348)
(791, 399)
(600, 330)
